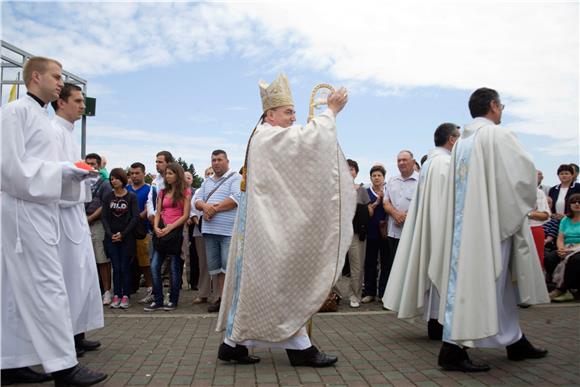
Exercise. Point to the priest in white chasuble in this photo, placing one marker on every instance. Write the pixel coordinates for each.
(489, 263)
(292, 232)
(36, 318)
(409, 291)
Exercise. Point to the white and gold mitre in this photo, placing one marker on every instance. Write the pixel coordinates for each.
(276, 94)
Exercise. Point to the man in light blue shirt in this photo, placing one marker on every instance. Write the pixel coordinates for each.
(218, 199)
(398, 194)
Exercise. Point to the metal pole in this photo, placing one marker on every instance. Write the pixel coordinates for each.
(84, 128)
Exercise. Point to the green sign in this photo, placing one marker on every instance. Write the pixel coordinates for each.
(90, 106)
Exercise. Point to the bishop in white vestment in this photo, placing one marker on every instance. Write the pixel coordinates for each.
(293, 228)
(489, 263)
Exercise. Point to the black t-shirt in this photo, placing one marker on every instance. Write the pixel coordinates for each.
(120, 213)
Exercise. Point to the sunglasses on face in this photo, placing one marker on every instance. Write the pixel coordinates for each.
(575, 202)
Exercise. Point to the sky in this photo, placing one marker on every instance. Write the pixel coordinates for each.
(183, 76)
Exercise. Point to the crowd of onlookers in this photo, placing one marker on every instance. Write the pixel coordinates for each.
(147, 234)
(168, 233)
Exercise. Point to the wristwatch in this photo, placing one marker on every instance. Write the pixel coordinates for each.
(529, 215)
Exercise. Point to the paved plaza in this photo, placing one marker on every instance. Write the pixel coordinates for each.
(373, 346)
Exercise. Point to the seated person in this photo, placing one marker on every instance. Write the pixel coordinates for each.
(567, 254)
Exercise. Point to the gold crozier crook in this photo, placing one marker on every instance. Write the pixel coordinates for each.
(317, 98)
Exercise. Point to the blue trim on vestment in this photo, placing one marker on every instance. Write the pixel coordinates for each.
(239, 234)
(462, 156)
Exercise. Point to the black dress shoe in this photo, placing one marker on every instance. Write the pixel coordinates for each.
(80, 351)
(523, 349)
(310, 357)
(87, 345)
(215, 307)
(23, 375)
(455, 358)
(238, 354)
(434, 329)
(77, 376)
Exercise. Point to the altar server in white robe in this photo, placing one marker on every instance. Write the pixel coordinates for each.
(409, 290)
(292, 231)
(75, 248)
(36, 319)
(490, 262)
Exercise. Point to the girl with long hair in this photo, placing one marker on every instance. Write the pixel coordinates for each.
(172, 211)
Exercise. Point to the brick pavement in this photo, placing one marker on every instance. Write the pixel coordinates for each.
(374, 348)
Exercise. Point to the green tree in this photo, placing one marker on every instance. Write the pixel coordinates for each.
(190, 168)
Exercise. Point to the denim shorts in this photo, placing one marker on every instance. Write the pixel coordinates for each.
(216, 250)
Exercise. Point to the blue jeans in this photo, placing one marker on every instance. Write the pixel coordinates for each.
(121, 267)
(176, 272)
(217, 248)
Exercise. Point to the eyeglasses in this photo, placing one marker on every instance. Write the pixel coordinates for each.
(575, 202)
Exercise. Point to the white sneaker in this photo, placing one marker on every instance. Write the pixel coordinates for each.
(124, 304)
(354, 302)
(107, 297)
(149, 298)
(367, 299)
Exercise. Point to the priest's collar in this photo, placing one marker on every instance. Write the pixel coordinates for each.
(443, 150)
(475, 125)
(484, 119)
(64, 122)
(40, 102)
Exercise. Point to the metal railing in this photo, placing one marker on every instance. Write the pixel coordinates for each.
(12, 62)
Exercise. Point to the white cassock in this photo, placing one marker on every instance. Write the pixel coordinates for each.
(75, 248)
(36, 319)
(292, 231)
(490, 262)
(409, 290)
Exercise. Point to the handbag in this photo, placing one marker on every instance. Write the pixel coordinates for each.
(169, 244)
(331, 303)
(140, 231)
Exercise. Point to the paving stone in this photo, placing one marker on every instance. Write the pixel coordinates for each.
(374, 349)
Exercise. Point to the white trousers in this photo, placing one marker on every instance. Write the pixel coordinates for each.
(431, 309)
(299, 341)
